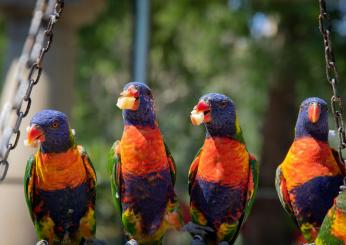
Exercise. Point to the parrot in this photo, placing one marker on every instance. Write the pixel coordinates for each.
(223, 177)
(308, 179)
(333, 228)
(59, 182)
(142, 171)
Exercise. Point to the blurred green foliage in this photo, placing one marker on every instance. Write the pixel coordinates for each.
(196, 47)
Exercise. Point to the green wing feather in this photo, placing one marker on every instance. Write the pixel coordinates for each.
(193, 169)
(280, 185)
(28, 184)
(250, 195)
(176, 208)
(254, 168)
(172, 166)
(92, 181)
(88, 162)
(114, 170)
(91, 174)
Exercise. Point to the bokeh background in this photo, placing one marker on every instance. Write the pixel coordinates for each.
(266, 55)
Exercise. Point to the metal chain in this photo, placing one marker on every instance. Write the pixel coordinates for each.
(10, 136)
(20, 82)
(333, 78)
(25, 59)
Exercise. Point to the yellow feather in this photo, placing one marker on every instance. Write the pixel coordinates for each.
(237, 125)
(225, 229)
(86, 224)
(45, 228)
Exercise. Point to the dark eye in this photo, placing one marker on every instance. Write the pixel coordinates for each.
(223, 104)
(55, 125)
(148, 93)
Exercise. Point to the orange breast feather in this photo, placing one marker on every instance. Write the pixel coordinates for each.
(307, 159)
(142, 150)
(224, 161)
(57, 171)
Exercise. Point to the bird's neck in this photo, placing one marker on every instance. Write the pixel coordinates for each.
(224, 131)
(321, 135)
(318, 131)
(58, 145)
(142, 117)
(219, 130)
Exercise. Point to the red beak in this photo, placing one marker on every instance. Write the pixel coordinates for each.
(35, 133)
(202, 106)
(314, 112)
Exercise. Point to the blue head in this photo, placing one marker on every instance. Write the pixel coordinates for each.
(217, 112)
(137, 103)
(50, 128)
(313, 119)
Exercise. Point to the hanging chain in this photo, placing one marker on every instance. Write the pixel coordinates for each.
(333, 78)
(25, 59)
(10, 137)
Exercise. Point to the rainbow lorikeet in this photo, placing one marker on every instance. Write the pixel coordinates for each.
(223, 177)
(143, 170)
(308, 180)
(59, 182)
(333, 228)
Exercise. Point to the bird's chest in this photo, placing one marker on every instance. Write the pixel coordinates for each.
(56, 171)
(307, 160)
(65, 207)
(321, 190)
(142, 150)
(224, 161)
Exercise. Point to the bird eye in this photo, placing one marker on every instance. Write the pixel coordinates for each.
(223, 104)
(55, 125)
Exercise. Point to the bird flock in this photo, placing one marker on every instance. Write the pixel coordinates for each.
(60, 180)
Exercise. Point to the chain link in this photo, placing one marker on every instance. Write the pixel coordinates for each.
(333, 78)
(10, 136)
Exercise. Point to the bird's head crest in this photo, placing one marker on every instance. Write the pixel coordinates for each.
(137, 103)
(217, 112)
(50, 129)
(313, 119)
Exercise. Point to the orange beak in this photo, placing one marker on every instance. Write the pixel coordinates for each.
(35, 135)
(200, 113)
(314, 112)
(128, 99)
